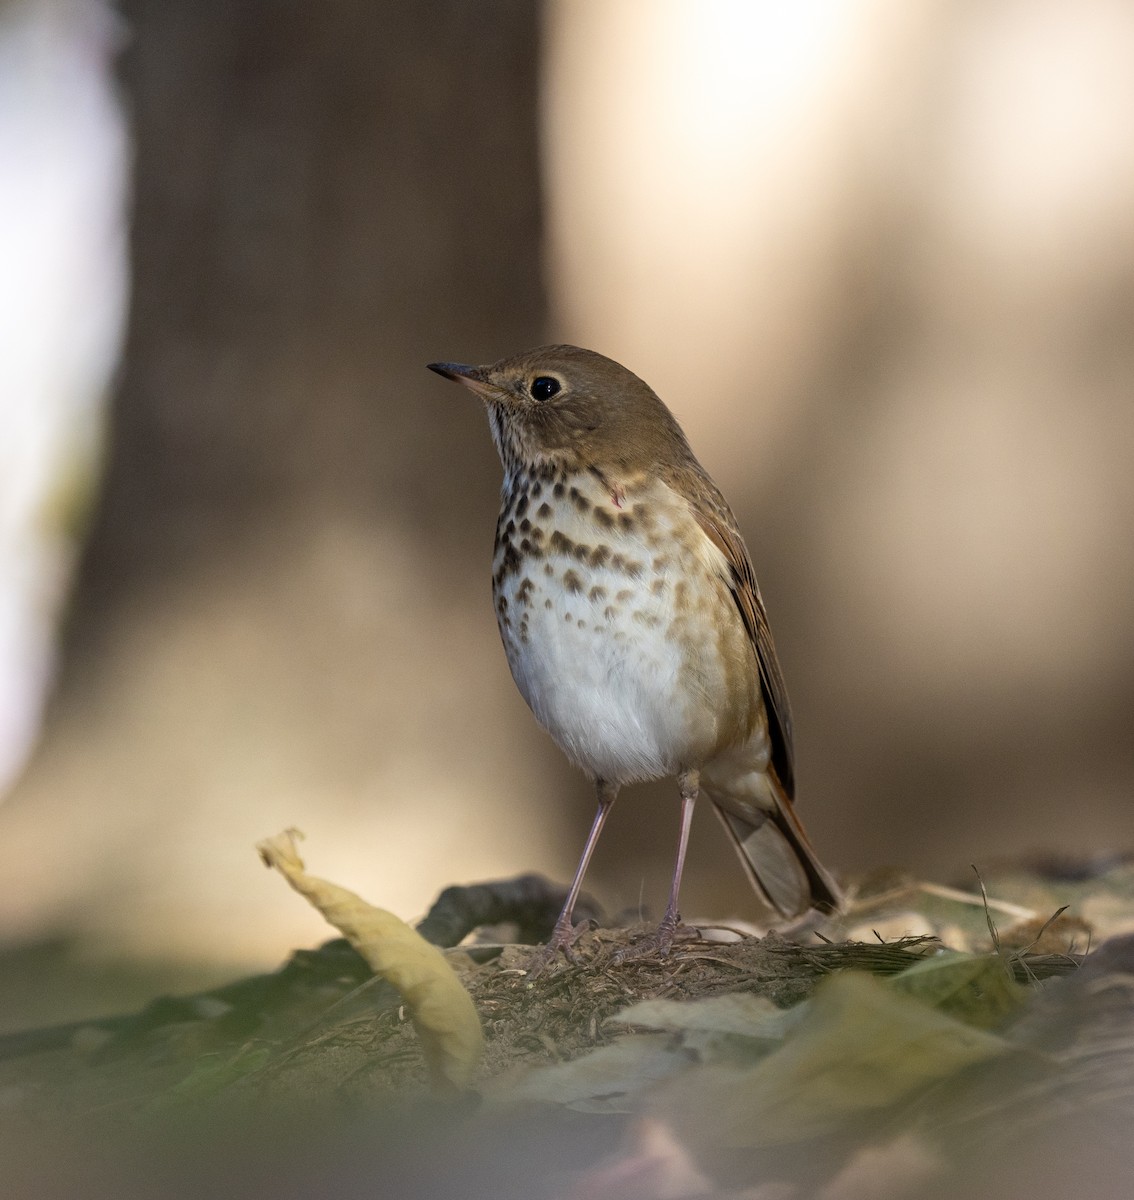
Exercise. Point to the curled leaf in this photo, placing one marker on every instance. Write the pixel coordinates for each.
(441, 1009)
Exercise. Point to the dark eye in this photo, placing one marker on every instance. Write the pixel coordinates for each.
(544, 387)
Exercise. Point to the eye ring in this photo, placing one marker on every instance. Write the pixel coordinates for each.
(543, 387)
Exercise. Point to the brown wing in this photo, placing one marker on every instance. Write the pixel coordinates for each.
(716, 519)
(779, 859)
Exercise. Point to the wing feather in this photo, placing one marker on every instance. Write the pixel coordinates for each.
(716, 520)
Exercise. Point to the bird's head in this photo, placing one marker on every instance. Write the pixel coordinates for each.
(571, 408)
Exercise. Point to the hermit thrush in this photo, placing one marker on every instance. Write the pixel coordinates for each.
(631, 617)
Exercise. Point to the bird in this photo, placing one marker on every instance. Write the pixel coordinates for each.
(632, 621)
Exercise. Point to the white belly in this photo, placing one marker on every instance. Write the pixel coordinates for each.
(604, 659)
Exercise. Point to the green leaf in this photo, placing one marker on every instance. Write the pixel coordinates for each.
(212, 1073)
(975, 988)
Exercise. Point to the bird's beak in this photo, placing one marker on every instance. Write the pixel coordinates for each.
(472, 377)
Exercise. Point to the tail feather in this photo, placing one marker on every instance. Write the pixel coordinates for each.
(779, 860)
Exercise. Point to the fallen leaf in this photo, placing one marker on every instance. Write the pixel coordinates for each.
(212, 1073)
(736, 1027)
(975, 988)
(609, 1079)
(860, 1047)
(441, 1009)
(738, 1013)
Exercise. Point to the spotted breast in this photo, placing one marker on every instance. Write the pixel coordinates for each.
(599, 596)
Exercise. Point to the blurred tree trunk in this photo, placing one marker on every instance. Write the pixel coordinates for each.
(326, 197)
(283, 615)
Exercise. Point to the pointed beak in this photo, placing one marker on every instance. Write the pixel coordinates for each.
(472, 377)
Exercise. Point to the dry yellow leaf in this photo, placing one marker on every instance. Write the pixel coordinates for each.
(441, 1009)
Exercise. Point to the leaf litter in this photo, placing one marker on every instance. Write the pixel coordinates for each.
(342, 1036)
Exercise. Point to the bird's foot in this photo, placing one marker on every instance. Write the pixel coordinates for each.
(653, 945)
(562, 941)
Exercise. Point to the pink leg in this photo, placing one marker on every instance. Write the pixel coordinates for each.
(564, 932)
(661, 939)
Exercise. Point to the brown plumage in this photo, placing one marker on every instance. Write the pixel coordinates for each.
(631, 616)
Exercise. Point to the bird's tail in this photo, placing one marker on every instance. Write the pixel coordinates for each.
(778, 857)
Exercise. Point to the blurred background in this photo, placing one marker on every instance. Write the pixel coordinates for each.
(877, 257)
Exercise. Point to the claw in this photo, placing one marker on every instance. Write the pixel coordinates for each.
(656, 944)
(562, 941)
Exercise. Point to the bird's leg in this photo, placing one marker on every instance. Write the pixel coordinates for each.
(690, 784)
(661, 939)
(564, 933)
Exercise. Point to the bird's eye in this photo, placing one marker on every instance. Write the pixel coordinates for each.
(544, 387)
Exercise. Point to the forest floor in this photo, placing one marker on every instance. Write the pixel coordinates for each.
(926, 1042)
